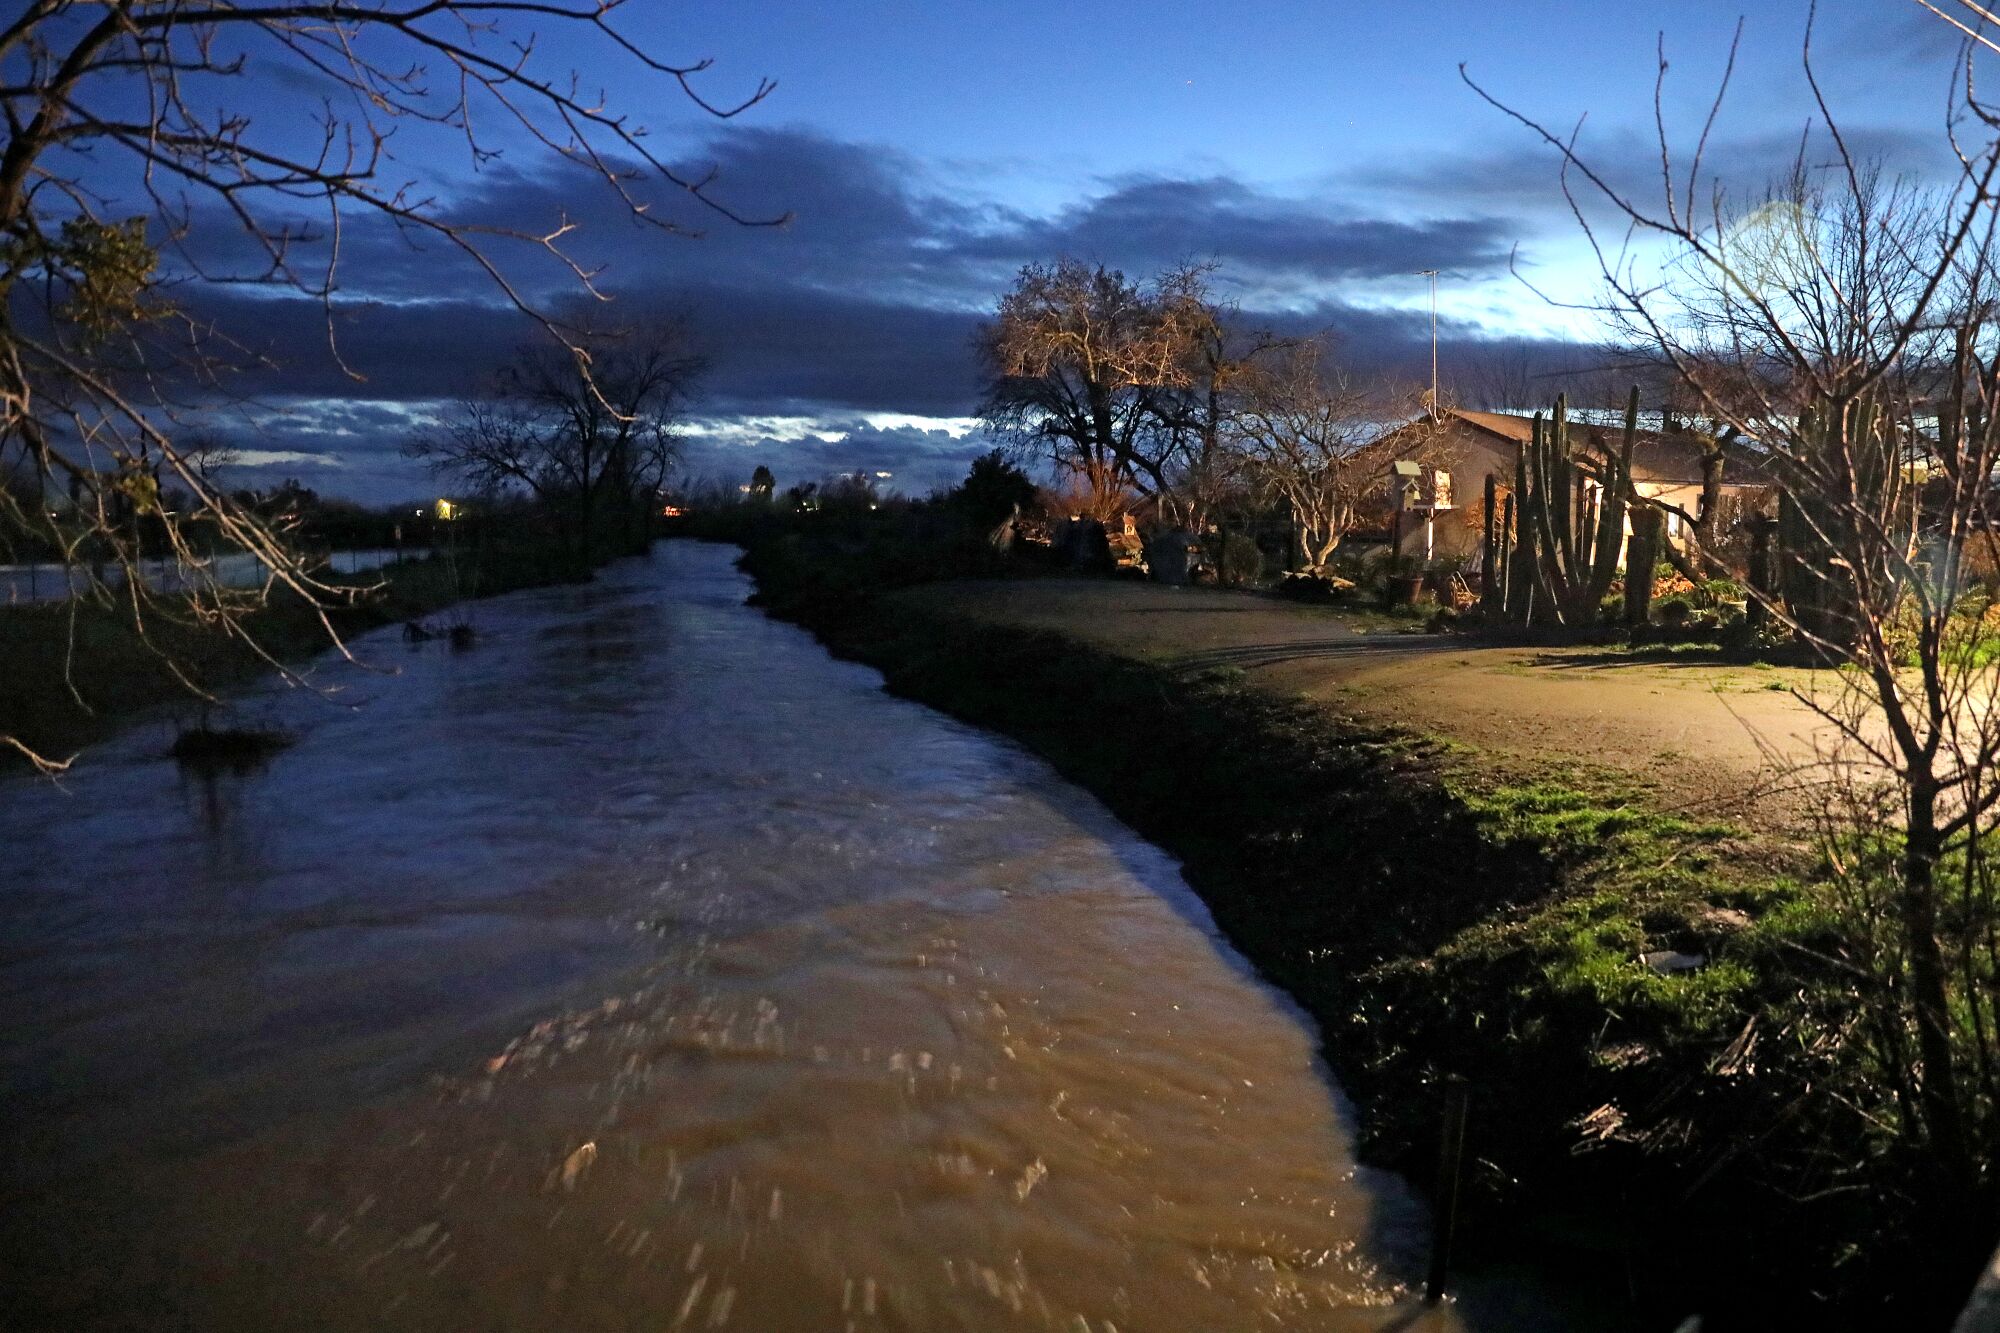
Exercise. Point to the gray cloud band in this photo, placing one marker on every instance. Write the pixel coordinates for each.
(867, 302)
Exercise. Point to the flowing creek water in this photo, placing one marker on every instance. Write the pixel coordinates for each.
(647, 968)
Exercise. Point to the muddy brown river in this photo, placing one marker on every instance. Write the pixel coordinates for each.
(647, 968)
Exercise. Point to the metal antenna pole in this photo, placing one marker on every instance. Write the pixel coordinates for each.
(1434, 340)
(1432, 274)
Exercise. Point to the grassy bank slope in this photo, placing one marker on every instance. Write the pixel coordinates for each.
(1685, 1134)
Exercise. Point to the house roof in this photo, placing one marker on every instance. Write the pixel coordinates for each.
(1670, 457)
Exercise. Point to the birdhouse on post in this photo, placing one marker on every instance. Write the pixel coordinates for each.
(1406, 485)
(1416, 489)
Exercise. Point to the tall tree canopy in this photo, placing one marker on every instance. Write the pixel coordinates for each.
(1081, 361)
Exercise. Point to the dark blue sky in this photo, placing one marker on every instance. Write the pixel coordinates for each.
(1320, 152)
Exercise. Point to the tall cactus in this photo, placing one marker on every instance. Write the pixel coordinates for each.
(1521, 561)
(1763, 580)
(1648, 531)
(1573, 542)
(1850, 486)
(1489, 550)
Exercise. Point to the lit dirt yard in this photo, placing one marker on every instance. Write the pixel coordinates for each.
(1712, 741)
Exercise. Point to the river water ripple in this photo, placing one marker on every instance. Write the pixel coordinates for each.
(646, 968)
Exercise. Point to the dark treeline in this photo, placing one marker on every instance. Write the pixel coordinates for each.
(582, 438)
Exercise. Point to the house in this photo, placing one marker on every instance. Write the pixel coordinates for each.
(1437, 479)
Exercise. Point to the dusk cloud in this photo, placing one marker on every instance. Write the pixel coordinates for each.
(1522, 176)
(1146, 224)
(867, 302)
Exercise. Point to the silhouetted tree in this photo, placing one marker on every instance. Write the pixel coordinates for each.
(591, 434)
(993, 488)
(1197, 405)
(851, 491)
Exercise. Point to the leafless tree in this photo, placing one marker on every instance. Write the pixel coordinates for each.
(133, 130)
(1503, 380)
(1196, 406)
(207, 453)
(590, 434)
(1079, 358)
(1128, 388)
(23, 490)
(1309, 437)
(1845, 327)
(1512, 377)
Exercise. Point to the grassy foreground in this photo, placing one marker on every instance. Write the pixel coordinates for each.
(116, 673)
(1691, 1133)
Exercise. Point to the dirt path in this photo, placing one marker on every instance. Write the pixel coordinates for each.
(1712, 741)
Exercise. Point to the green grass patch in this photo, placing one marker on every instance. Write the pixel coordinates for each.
(1642, 883)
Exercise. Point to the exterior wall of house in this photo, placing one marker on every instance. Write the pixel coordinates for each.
(1453, 535)
(1686, 497)
(1458, 533)
(1470, 455)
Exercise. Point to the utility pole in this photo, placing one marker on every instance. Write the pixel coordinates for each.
(1432, 274)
